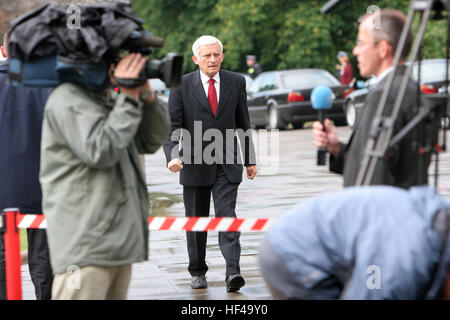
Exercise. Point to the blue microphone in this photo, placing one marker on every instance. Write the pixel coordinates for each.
(321, 99)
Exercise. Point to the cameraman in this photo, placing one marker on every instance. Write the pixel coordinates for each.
(375, 50)
(371, 242)
(94, 191)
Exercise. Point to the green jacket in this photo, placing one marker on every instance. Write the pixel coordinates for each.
(95, 196)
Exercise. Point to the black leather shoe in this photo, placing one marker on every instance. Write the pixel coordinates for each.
(198, 282)
(234, 282)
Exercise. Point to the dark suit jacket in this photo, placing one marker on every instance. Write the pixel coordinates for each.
(189, 110)
(404, 167)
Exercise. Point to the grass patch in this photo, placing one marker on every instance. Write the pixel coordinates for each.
(23, 240)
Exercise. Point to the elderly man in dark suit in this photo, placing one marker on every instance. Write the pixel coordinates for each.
(375, 50)
(210, 103)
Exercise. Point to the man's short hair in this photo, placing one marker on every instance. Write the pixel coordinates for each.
(204, 41)
(388, 25)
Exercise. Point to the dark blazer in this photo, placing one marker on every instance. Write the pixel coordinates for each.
(404, 167)
(189, 110)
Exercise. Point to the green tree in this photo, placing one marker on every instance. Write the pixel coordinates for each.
(281, 33)
(180, 22)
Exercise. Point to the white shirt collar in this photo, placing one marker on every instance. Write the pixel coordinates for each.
(384, 74)
(205, 78)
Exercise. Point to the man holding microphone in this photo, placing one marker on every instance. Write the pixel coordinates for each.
(375, 49)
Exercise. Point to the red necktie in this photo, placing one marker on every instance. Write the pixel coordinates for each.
(212, 96)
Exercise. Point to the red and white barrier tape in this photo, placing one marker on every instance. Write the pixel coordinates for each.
(209, 224)
(32, 221)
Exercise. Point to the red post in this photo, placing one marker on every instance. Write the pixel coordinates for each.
(12, 256)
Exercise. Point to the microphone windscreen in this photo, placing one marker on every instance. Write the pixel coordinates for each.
(322, 97)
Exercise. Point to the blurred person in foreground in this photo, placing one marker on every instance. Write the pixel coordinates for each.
(375, 49)
(95, 193)
(21, 114)
(373, 242)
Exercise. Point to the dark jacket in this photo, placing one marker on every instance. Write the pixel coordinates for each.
(404, 167)
(21, 113)
(254, 71)
(189, 108)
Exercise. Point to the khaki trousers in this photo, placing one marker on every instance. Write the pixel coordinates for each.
(92, 283)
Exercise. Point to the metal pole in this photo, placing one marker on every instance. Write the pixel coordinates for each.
(12, 256)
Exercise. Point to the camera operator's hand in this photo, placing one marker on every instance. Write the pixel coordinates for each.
(129, 67)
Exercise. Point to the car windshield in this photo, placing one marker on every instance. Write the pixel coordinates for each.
(265, 81)
(431, 71)
(307, 79)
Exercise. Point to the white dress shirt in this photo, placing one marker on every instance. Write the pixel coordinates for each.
(205, 81)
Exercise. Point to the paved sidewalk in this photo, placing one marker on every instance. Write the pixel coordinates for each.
(165, 275)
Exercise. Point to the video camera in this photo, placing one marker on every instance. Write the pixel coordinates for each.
(58, 43)
(168, 69)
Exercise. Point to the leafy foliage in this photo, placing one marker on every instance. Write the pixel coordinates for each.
(281, 33)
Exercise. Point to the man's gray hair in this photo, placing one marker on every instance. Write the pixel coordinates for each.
(204, 41)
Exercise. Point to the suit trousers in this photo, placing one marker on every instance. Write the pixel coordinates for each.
(197, 203)
(38, 264)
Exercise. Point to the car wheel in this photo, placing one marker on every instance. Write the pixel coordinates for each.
(350, 112)
(274, 121)
(298, 124)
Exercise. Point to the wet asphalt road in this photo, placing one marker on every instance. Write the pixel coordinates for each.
(285, 180)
